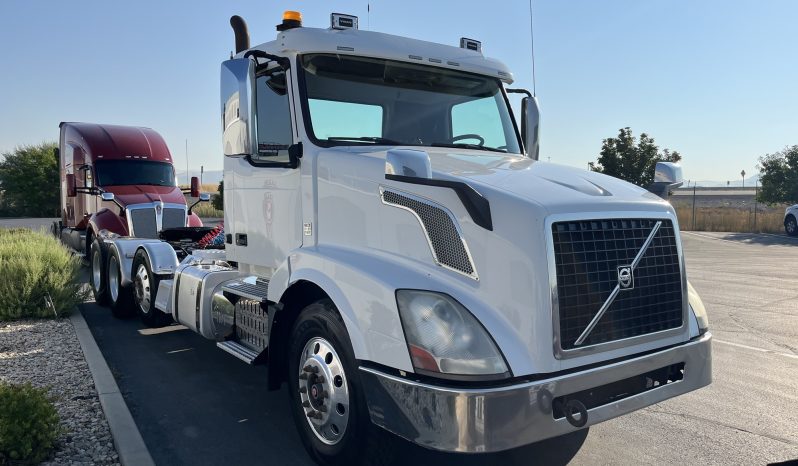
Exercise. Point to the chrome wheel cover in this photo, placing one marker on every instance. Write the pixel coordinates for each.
(113, 278)
(323, 391)
(142, 288)
(791, 225)
(96, 269)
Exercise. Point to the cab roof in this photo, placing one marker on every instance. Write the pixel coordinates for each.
(380, 45)
(114, 142)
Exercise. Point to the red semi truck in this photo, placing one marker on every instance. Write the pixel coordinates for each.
(116, 180)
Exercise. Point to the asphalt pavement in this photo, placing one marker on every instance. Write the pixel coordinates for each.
(194, 404)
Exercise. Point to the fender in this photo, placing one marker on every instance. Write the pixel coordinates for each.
(108, 220)
(194, 220)
(162, 257)
(363, 286)
(126, 249)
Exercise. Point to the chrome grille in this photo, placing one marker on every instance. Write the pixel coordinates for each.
(173, 218)
(144, 223)
(588, 255)
(447, 245)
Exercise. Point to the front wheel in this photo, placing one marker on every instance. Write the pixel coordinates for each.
(790, 226)
(328, 406)
(145, 287)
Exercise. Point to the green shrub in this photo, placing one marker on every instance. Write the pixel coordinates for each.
(28, 424)
(217, 200)
(37, 269)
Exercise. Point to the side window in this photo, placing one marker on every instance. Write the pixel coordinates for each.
(479, 117)
(333, 119)
(274, 119)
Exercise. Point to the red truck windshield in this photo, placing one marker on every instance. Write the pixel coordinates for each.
(132, 172)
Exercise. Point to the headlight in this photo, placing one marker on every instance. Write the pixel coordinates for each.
(444, 338)
(698, 307)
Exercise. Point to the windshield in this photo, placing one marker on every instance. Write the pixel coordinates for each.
(130, 172)
(356, 100)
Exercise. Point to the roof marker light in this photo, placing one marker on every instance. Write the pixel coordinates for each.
(291, 20)
(470, 44)
(341, 21)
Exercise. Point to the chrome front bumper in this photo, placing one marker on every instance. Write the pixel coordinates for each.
(494, 419)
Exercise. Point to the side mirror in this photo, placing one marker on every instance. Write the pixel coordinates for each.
(204, 197)
(667, 176)
(107, 197)
(238, 107)
(407, 162)
(71, 187)
(195, 187)
(530, 127)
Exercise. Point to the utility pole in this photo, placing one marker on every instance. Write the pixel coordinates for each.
(694, 183)
(742, 173)
(188, 178)
(756, 201)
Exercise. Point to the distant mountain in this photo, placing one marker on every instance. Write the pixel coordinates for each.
(749, 182)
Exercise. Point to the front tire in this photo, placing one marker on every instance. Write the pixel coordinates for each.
(326, 401)
(791, 226)
(98, 264)
(145, 287)
(120, 297)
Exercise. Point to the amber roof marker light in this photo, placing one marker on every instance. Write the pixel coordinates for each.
(291, 20)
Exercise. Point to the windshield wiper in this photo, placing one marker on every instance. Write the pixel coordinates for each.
(372, 139)
(463, 145)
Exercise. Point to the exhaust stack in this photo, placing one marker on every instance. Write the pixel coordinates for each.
(240, 30)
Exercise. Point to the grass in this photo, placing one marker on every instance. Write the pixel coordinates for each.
(767, 220)
(205, 209)
(40, 277)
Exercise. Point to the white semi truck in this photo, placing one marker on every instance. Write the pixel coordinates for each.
(396, 253)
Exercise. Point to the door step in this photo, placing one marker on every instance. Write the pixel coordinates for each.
(259, 290)
(241, 352)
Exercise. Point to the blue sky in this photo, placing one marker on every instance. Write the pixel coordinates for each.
(714, 80)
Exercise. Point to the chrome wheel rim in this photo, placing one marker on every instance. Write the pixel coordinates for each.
(323, 391)
(96, 271)
(113, 278)
(142, 286)
(791, 226)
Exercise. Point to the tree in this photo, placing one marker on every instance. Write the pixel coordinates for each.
(778, 174)
(626, 158)
(29, 182)
(217, 200)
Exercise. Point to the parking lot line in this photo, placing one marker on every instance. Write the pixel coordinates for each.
(761, 350)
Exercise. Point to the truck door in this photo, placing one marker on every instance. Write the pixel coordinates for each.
(263, 207)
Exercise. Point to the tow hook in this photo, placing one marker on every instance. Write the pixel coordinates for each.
(575, 412)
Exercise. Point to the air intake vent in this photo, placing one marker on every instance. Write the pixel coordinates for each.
(445, 239)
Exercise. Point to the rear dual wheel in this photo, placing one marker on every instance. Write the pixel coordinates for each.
(120, 298)
(145, 287)
(98, 271)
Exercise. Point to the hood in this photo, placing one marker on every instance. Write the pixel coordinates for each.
(144, 194)
(554, 188)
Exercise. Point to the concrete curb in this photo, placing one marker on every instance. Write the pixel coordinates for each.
(127, 438)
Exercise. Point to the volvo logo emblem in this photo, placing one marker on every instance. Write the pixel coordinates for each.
(625, 278)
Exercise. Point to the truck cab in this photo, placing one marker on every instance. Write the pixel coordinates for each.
(115, 180)
(396, 253)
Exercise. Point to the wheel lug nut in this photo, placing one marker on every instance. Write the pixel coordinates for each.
(306, 404)
(308, 368)
(303, 389)
(303, 377)
(320, 379)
